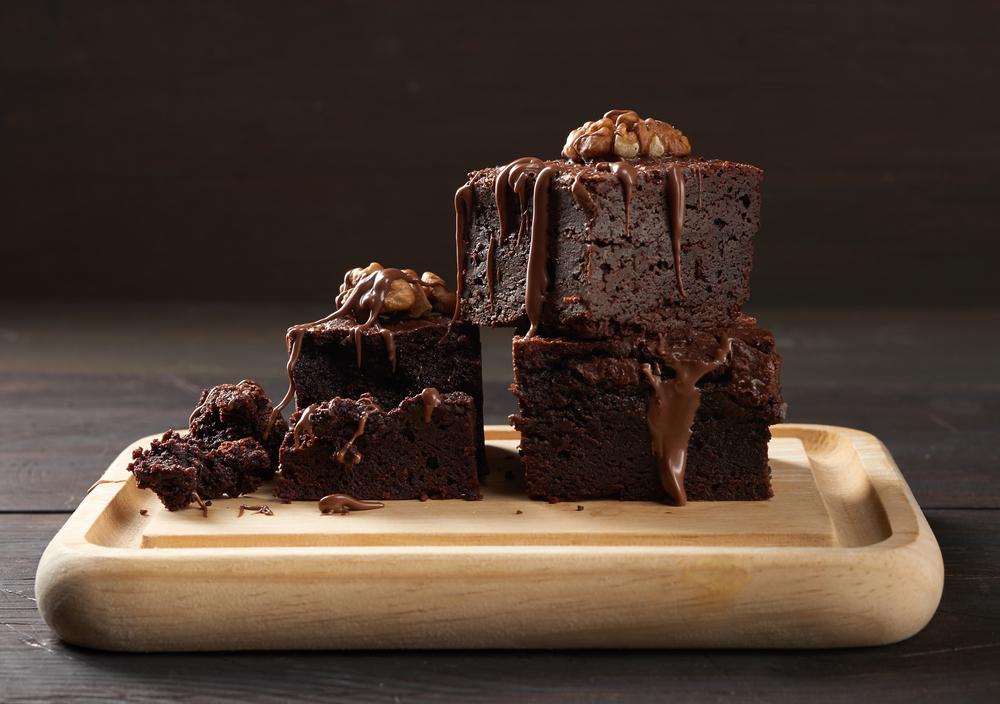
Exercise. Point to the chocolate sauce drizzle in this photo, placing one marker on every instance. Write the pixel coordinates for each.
(342, 454)
(364, 302)
(511, 178)
(464, 201)
(432, 399)
(262, 509)
(671, 410)
(675, 204)
(537, 281)
(627, 176)
(304, 428)
(345, 503)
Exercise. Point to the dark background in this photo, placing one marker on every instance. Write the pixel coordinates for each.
(254, 150)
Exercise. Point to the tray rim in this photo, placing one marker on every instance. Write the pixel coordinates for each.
(72, 567)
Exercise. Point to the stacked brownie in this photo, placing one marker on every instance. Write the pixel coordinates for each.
(388, 395)
(626, 268)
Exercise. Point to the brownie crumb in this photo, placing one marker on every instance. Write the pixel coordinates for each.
(143, 512)
(579, 507)
(518, 512)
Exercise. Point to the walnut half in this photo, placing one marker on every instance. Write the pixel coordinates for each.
(623, 134)
(410, 294)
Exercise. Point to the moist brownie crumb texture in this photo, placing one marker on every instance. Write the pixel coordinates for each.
(627, 267)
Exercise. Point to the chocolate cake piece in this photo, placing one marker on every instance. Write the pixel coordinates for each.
(423, 448)
(605, 234)
(235, 411)
(397, 361)
(184, 469)
(609, 418)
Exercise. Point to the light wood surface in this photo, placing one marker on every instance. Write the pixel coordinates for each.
(842, 556)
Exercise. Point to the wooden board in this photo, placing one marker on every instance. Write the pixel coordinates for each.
(841, 556)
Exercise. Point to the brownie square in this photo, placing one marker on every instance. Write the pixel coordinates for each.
(423, 448)
(398, 361)
(610, 270)
(584, 414)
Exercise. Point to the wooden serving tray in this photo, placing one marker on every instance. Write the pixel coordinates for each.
(841, 556)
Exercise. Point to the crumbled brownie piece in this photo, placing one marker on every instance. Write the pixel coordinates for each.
(235, 411)
(170, 467)
(176, 467)
(585, 421)
(424, 447)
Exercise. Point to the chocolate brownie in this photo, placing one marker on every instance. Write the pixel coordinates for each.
(397, 361)
(183, 469)
(423, 448)
(611, 418)
(392, 335)
(234, 411)
(605, 235)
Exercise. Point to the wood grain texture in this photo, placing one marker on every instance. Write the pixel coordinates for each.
(841, 556)
(956, 656)
(234, 130)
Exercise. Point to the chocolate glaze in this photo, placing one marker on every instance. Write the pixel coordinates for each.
(582, 196)
(364, 302)
(675, 204)
(537, 281)
(304, 426)
(432, 399)
(463, 218)
(342, 453)
(512, 177)
(670, 414)
(344, 503)
(627, 176)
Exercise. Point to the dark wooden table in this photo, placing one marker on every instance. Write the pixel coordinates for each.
(79, 381)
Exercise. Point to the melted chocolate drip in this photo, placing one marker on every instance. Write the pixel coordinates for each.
(344, 503)
(432, 399)
(364, 302)
(582, 196)
(304, 426)
(512, 177)
(627, 176)
(537, 282)
(262, 509)
(675, 203)
(670, 414)
(463, 218)
(341, 454)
